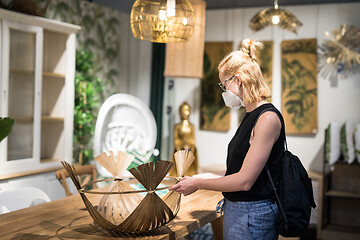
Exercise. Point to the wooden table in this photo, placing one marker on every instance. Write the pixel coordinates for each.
(68, 218)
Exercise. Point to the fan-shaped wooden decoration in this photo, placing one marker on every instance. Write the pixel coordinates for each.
(183, 160)
(122, 209)
(117, 207)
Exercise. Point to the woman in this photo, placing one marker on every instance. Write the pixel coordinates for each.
(249, 201)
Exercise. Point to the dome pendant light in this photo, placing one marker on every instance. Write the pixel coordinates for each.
(162, 21)
(275, 16)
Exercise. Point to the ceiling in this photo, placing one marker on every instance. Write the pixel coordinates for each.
(125, 5)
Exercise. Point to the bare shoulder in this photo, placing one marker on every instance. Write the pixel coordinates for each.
(270, 118)
(269, 122)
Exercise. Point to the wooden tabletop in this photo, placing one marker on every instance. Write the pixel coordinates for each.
(68, 218)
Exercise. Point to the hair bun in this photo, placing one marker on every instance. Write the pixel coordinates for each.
(251, 48)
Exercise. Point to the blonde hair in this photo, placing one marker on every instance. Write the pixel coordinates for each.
(245, 64)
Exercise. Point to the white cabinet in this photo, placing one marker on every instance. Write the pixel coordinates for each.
(37, 90)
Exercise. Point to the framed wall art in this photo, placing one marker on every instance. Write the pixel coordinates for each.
(266, 63)
(214, 115)
(299, 86)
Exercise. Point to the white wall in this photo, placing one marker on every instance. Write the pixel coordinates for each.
(135, 62)
(335, 103)
(135, 67)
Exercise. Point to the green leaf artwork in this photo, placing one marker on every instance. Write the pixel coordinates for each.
(5, 127)
(299, 86)
(214, 115)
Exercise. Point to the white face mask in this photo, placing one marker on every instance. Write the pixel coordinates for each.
(231, 100)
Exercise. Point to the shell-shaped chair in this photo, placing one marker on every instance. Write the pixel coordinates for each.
(124, 123)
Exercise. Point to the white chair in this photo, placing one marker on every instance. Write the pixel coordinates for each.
(124, 123)
(12, 200)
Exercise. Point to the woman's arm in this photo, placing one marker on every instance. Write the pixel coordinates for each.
(267, 132)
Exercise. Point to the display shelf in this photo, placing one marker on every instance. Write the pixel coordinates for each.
(342, 194)
(31, 72)
(341, 208)
(23, 119)
(52, 141)
(54, 75)
(336, 232)
(52, 119)
(45, 160)
(22, 71)
(37, 90)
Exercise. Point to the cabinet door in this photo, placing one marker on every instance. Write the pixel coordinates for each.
(21, 94)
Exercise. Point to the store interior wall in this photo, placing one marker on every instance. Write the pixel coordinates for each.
(337, 100)
(135, 63)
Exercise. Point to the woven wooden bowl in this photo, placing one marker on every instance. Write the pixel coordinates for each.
(123, 209)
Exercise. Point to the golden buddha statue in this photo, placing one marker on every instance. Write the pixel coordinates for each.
(184, 139)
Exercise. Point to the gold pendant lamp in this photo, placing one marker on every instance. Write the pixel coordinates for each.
(275, 16)
(162, 21)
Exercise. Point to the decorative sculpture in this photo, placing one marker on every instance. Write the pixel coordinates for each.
(340, 52)
(184, 139)
(122, 209)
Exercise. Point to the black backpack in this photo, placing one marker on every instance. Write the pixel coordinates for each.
(294, 193)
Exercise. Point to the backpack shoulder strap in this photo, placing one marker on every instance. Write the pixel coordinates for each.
(266, 168)
(276, 194)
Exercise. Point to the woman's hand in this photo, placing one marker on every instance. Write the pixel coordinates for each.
(186, 186)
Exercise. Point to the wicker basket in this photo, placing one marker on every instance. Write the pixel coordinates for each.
(124, 210)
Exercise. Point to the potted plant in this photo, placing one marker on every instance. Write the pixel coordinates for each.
(88, 96)
(5, 127)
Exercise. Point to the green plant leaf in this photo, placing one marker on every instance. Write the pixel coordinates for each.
(88, 93)
(5, 127)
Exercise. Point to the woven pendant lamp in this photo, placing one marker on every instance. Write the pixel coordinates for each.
(162, 21)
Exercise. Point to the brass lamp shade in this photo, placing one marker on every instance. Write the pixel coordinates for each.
(275, 16)
(162, 21)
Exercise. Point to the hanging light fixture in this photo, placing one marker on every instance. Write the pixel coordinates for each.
(275, 16)
(162, 21)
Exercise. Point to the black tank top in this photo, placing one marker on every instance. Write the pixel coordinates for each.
(237, 150)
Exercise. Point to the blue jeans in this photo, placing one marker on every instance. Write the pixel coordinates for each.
(250, 220)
